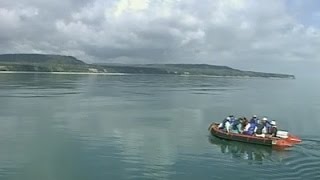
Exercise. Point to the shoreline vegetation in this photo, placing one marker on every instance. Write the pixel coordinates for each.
(58, 64)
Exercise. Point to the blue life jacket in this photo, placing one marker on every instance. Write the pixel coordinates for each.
(232, 120)
(259, 128)
(254, 120)
(251, 129)
(235, 124)
(268, 127)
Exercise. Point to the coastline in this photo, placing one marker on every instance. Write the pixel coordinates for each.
(127, 74)
(75, 73)
(58, 64)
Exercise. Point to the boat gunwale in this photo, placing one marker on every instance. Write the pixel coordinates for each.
(229, 136)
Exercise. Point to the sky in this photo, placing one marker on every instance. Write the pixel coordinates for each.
(270, 35)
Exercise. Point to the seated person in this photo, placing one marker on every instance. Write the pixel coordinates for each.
(267, 125)
(236, 126)
(260, 130)
(232, 119)
(254, 119)
(244, 123)
(274, 128)
(250, 129)
(226, 124)
(223, 124)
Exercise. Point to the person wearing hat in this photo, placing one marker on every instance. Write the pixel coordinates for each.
(260, 130)
(267, 125)
(250, 128)
(254, 119)
(225, 123)
(274, 128)
(235, 124)
(232, 119)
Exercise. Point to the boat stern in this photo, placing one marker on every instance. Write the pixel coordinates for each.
(294, 139)
(282, 143)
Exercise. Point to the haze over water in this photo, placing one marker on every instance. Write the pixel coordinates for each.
(151, 127)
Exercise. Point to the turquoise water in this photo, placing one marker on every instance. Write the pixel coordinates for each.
(151, 127)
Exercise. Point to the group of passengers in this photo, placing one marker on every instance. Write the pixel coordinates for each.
(251, 127)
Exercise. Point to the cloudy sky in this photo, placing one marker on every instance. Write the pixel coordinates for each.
(270, 35)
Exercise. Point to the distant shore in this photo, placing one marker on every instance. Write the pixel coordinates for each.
(80, 73)
(57, 64)
(128, 74)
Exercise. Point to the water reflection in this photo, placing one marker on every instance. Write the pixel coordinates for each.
(250, 152)
(40, 81)
(140, 127)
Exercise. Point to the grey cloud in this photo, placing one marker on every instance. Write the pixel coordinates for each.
(237, 33)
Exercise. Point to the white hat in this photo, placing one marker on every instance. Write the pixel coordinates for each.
(255, 116)
(273, 123)
(264, 119)
(228, 118)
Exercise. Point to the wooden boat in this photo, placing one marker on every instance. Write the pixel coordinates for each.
(267, 141)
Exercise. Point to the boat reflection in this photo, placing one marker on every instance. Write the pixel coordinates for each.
(253, 153)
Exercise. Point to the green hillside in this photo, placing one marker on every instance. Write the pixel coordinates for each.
(58, 63)
(39, 58)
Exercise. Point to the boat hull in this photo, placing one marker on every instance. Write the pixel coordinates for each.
(266, 141)
(294, 139)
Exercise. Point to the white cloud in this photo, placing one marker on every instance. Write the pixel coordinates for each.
(232, 32)
(130, 5)
(8, 18)
(12, 18)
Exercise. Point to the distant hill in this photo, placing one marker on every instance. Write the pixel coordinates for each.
(189, 69)
(38, 58)
(58, 63)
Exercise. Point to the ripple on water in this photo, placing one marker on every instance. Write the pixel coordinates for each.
(305, 161)
(296, 163)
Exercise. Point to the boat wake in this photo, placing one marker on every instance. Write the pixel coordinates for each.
(304, 160)
(299, 162)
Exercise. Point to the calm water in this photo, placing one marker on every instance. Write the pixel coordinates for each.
(150, 127)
